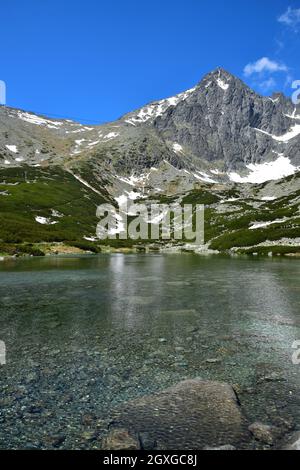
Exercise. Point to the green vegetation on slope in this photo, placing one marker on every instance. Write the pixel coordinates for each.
(69, 207)
(225, 230)
(34, 192)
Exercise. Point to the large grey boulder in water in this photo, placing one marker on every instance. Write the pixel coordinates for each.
(194, 414)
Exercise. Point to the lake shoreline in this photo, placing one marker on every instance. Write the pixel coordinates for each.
(56, 249)
(10, 251)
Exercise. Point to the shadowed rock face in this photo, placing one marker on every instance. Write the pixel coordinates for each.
(191, 415)
(218, 121)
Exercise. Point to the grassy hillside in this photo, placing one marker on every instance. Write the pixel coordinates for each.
(27, 193)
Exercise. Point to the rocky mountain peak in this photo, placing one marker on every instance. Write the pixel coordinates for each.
(218, 124)
(220, 77)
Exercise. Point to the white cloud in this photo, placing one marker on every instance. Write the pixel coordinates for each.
(268, 84)
(289, 80)
(291, 18)
(264, 65)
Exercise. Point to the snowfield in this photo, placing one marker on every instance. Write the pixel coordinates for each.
(291, 134)
(45, 221)
(260, 173)
(12, 148)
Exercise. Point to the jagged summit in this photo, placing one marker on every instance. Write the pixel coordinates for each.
(219, 72)
(151, 111)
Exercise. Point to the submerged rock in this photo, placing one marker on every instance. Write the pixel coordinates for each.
(193, 414)
(293, 443)
(213, 361)
(120, 439)
(263, 433)
(54, 441)
(272, 377)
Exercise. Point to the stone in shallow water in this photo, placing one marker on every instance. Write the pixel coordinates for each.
(213, 361)
(120, 439)
(293, 442)
(54, 441)
(273, 377)
(191, 415)
(262, 432)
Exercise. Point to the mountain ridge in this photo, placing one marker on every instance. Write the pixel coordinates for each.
(218, 143)
(220, 119)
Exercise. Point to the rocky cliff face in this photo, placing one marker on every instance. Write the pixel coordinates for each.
(219, 130)
(225, 123)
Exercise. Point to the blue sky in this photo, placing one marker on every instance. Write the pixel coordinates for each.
(95, 60)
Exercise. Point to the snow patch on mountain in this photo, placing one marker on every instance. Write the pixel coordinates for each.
(133, 180)
(85, 183)
(293, 116)
(12, 148)
(291, 134)
(202, 176)
(55, 213)
(81, 129)
(45, 221)
(155, 109)
(257, 225)
(268, 198)
(232, 199)
(222, 84)
(79, 141)
(262, 172)
(177, 148)
(92, 144)
(91, 239)
(111, 135)
(39, 121)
